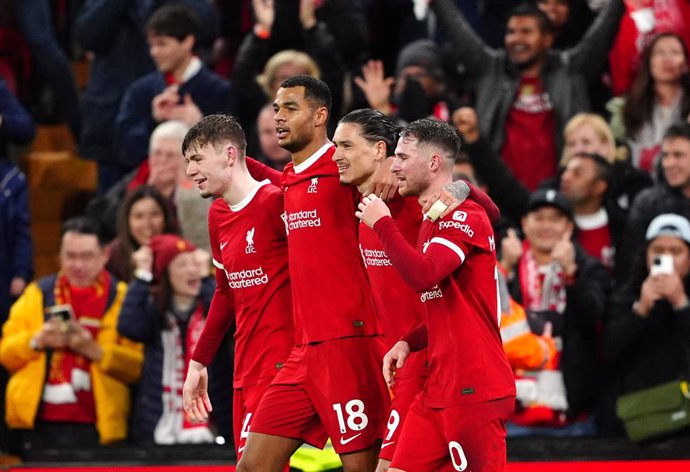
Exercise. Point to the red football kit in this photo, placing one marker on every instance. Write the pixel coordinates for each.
(331, 384)
(249, 248)
(594, 235)
(400, 310)
(470, 381)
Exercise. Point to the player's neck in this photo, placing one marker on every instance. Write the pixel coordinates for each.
(366, 185)
(305, 153)
(435, 185)
(242, 184)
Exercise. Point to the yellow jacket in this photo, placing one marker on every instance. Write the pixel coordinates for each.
(121, 364)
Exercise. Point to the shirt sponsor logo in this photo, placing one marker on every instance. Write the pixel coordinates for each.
(432, 294)
(460, 216)
(376, 258)
(250, 249)
(313, 186)
(302, 219)
(247, 278)
(464, 227)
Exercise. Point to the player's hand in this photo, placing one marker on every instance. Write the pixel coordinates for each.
(394, 360)
(376, 86)
(511, 250)
(450, 197)
(466, 122)
(372, 209)
(384, 183)
(197, 404)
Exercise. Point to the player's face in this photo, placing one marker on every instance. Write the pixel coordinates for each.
(294, 118)
(168, 52)
(544, 227)
(411, 167)
(184, 272)
(356, 157)
(145, 220)
(675, 161)
(207, 167)
(81, 258)
(579, 182)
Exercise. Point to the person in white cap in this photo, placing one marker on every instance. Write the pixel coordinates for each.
(648, 328)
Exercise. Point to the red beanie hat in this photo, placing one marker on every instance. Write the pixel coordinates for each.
(165, 248)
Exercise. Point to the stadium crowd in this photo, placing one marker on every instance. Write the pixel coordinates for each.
(573, 116)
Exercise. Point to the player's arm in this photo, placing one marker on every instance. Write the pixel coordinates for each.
(446, 200)
(420, 271)
(261, 171)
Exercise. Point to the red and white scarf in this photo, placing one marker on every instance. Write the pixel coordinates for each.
(173, 426)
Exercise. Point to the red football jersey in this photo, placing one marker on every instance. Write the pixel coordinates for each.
(397, 303)
(594, 235)
(249, 246)
(466, 358)
(331, 293)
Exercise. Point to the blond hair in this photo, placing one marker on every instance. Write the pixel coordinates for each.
(299, 58)
(601, 129)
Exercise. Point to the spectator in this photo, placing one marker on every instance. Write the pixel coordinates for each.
(556, 282)
(16, 258)
(113, 33)
(68, 367)
(570, 19)
(321, 60)
(670, 195)
(35, 21)
(165, 308)
(659, 96)
(419, 87)
(527, 92)
(181, 89)
(163, 169)
(643, 20)
(647, 334)
(143, 214)
(270, 153)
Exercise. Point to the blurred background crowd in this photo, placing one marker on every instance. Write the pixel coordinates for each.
(574, 115)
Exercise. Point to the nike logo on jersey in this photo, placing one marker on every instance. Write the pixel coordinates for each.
(223, 244)
(240, 449)
(386, 444)
(344, 441)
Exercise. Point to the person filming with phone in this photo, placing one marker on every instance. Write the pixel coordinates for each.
(69, 368)
(647, 332)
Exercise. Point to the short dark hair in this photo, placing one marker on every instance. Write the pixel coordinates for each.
(213, 130)
(84, 225)
(530, 9)
(680, 129)
(315, 90)
(375, 127)
(604, 167)
(436, 133)
(177, 20)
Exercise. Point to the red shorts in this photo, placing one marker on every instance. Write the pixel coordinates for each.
(330, 389)
(405, 390)
(467, 437)
(245, 400)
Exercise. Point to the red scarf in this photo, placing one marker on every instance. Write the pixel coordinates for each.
(68, 394)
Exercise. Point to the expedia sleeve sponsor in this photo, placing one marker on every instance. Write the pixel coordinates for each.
(247, 278)
(464, 227)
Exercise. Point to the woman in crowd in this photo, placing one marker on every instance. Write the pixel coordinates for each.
(165, 308)
(143, 214)
(658, 97)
